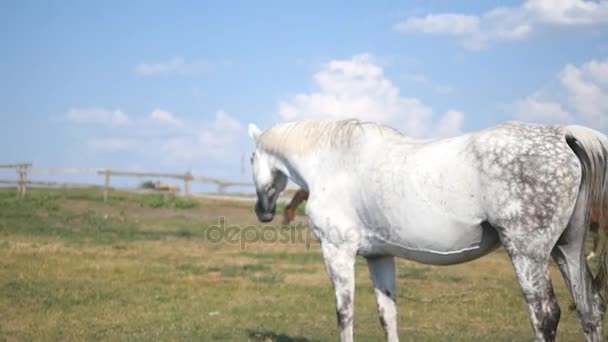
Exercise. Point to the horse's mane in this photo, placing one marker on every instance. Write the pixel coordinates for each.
(306, 136)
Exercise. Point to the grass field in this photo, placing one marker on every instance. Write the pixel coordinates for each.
(146, 267)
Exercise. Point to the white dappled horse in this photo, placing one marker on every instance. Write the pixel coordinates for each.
(379, 194)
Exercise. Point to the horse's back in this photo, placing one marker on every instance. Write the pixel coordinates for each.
(527, 171)
(435, 196)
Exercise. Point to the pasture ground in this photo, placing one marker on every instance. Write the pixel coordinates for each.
(146, 267)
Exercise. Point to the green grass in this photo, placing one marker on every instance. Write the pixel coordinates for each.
(192, 269)
(74, 268)
(413, 272)
(241, 270)
(148, 184)
(52, 214)
(167, 201)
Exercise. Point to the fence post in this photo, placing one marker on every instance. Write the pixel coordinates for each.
(106, 185)
(22, 171)
(187, 179)
(20, 182)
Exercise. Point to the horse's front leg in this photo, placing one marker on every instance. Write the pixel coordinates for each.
(340, 264)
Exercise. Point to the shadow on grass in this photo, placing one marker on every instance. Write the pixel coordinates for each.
(267, 336)
(425, 273)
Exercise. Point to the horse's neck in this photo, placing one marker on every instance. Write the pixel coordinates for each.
(312, 169)
(366, 149)
(297, 168)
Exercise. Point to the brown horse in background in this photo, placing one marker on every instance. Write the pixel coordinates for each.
(290, 210)
(597, 221)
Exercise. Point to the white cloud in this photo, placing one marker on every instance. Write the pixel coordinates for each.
(111, 144)
(509, 23)
(582, 97)
(219, 139)
(450, 124)
(224, 122)
(569, 12)
(178, 149)
(175, 66)
(587, 88)
(449, 24)
(534, 109)
(221, 132)
(427, 82)
(357, 88)
(97, 116)
(180, 140)
(165, 117)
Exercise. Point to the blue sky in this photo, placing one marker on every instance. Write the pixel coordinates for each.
(171, 85)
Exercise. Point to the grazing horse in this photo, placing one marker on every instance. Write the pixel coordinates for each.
(290, 210)
(377, 193)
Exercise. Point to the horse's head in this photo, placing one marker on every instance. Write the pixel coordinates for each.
(268, 179)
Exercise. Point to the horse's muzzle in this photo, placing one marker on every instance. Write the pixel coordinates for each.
(264, 214)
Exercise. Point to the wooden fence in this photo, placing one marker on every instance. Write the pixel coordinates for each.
(23, 169)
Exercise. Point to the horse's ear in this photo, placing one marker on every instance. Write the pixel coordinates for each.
(254, 132)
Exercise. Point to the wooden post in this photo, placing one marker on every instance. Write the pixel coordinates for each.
(21, 186)
(19, 183)
(22, 170)
(187, 179)
(106, 185)
(23, 177)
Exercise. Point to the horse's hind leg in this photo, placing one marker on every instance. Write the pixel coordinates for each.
(569, 254)
(571, 262)
(382, 270)
(531, 269)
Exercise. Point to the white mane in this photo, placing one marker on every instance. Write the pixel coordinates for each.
(307, 136)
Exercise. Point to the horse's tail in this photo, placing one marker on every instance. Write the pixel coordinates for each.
(591, 147)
